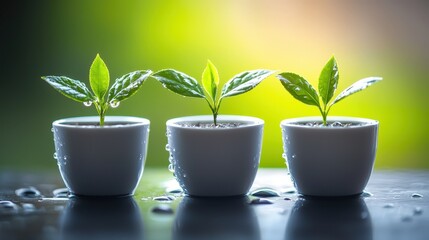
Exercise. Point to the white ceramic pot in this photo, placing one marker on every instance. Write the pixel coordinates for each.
(101, 161)
(215, 161)
(330, 161)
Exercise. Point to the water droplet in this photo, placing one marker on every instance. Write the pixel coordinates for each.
(289, 190)
(297, 89)
(171, 168)
(55, 155)
(165, 86)
(174, 190)
(389, 205)
(164, 198)
(406, 219)
(52, 129)
(336, 124)
(293, 156)
(61, 193)
(418, 211)
(87, 104)
(366, 194)
(265, 192)
(258, 201)
(416, 195)
(284, 156)
(162, 209)
(8, 207)
(167, 147)
(28, 207)
(287, 199)
(114, 104)
(29, 192)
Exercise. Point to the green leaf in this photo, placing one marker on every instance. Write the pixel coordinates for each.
(179, 83)
(127, 85)
(99, 78)
(356, 87)
(244, 82)
(70, 88)
(328, 80)
(210, 80)
(299, 88)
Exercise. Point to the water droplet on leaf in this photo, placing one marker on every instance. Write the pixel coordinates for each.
(114, 104)
(87, 104)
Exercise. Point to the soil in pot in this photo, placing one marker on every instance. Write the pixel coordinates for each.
(211, 125)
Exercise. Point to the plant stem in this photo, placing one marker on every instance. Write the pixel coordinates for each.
(324, 115)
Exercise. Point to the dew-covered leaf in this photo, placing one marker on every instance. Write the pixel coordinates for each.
(328, 80)
(299, 88)
(356, 87)
(210, 80)
(244, 82)
(127, 85)
(179, 83)
(70, 88)
(99, 78)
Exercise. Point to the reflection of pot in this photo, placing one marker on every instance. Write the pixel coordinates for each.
(329, 218)
(102, 218)
(215, 162)
(215, 218)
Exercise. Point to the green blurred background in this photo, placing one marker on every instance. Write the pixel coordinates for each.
(369, 38)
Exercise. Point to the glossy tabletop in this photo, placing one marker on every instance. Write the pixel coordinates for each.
(394, 206)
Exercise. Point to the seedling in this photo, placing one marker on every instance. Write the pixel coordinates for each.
(302, 90)
(187, 86)
(101, 96)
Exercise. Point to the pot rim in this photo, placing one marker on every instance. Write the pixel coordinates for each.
(89, 121)
(248, 120)
(292, 122)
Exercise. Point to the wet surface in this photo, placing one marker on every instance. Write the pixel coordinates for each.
(36, 206)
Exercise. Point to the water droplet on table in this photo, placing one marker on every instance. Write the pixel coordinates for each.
(28, 207)
(61, 193)
(417, 211)
(389, 205)
(174, 190)
(366, 194)
(287, 199)
(29, 192)
(416, 195)
(265, 192)
(162, 209)
(8, 207)
(260, 201)
(289, 190)
(164, 198)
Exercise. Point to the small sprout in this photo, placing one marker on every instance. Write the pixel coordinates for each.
(187, 86)
(302, 90)
(101, 96)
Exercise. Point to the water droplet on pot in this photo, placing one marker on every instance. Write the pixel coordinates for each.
(171, 168)
(55, 155)
(167, 147)
(162, 209)
(52, 129)
(265, 192)
(61, 193)
(258, 201)
(184, 175)
(287, 199)
(416, 195)
(289, 190)
(87, 104)
(336, 124)
(114, 104)
(284, 156)
(294, 156)
(29, 192)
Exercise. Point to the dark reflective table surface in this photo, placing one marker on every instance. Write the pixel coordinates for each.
(395, 206)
